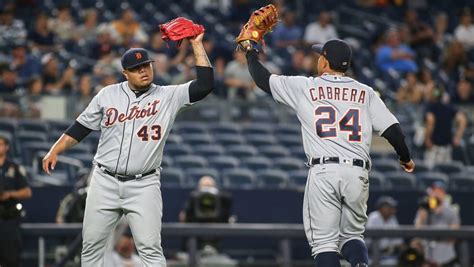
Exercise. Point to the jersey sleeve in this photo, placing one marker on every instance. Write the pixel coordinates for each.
(92, 115)
(380, 116)
(180, 95)
(287, 89)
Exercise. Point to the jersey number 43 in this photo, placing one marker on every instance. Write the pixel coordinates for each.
(326, 126)
(154, 132)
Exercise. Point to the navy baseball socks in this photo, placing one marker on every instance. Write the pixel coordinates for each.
(355, 252)
(327, 259)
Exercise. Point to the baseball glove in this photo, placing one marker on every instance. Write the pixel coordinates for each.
(260, 23)
(180, 28)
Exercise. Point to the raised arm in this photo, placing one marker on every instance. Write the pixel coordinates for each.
(204, 83)
(259, 73)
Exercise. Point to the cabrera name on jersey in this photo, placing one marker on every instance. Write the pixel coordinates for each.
(337, 113)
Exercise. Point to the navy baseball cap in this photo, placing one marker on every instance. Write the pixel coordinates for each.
(386, 200)
(337, 52)
(134, 57)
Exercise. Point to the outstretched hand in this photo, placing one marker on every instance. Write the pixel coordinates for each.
(197, 39)
(408, 166)
(49, 161)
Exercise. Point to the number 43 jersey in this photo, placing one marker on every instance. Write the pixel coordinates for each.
(337, 113)
(133, 129)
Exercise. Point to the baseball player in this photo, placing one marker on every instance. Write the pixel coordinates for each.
(135, 118)
(337, 115)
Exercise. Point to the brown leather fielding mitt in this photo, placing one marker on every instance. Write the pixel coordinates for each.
(260, 23)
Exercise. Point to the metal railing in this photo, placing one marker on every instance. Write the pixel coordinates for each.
(283, 232)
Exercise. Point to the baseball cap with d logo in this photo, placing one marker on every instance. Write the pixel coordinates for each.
(134, 57)
(337, 52)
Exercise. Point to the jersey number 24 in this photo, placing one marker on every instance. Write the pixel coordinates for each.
(326, 123)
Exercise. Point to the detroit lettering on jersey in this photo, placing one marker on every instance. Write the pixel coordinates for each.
(135, 112)
(336, 93)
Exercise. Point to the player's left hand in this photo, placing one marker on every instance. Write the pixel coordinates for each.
(197, 39)
(408, 166)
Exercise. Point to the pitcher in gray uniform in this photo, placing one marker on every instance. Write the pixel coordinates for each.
(337, 115)
(135, 118)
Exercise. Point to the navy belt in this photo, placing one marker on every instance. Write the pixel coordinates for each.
(124, 178)
(325, 160)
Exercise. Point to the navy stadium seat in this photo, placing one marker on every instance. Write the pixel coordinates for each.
(8, 125)
(229, 139)
(385, 165)
(272, 179)
(33, 125)
(239, 178)
(288, 129)
(29, 150)
(31, 136)
(190, 127)
(194, 174)
(174, 150)
(297, 179)
(78, 149)
(257, 163)
(401, 180)
(421, 166)
(289, 140)
(59, 125)
(197, 139)
(289, 164)
(209, 150)
(297, 152)
(174, 139)
(274, 151)
(377, 181)
(225, 128)
(190, 161)
(242, 150)
(171, 177)
(56, 179)
(426, 179)
(259, 140)
(85, 158)
(257, 128)
(462, 182)
(224, 162)
(167, 161)
(449, 167)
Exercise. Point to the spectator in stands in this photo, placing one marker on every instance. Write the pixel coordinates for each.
(104, 44)
(385, 217)
(421, 35)
(63, 25)
(42, 37)
(219, 77)
(26, 65)
(394, 55)
(238, 79)
(12, 30)
(221, 6)
(13, 189)
(56, 81)
(84, 92)
(88, 30)
(187, 72)
(104, 81)
(239, 12)
(321, 30)
(296, 66)
(159, 46)
(464, 32)
(9, 82)
(109, 63)
(442, 37)
(126, 26)
(454, 60)
(437, 210)
(411, 91)
(161, 68)
(31, 104)
(272, 67)
(464, 93)
(439, 120)
(124, 253)
(287, 33)
(427, 84)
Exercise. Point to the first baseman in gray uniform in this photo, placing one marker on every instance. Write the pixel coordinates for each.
(337, 115)
(135, 118)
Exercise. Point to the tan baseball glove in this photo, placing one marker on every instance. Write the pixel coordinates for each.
(260, 23)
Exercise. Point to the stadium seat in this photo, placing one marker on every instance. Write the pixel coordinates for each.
(289, 140)
(449, 167)
(190, 161)
(259, 140)
(174, 150)
(274, 151)
(8, 125)
(242, 151)
(174, 139)
(229, 139)
(385, 165)
(401, 180)
(197, 139)
(462, 182)
(272, 179)
(257, 128)
(297, 152)
(33, 125)
(224, 128)
(289, 164)
(56, 179)
(288, 129)
(224, 162)
(85, 158)
(167, 161)
(29, 150)
(171, 177)
(256, 163)
(377, 155)
(59, 125)
(426, 179)
(209, 150)
(194, 174)
(377, 181)
(31, 136)
(239, 178)
(421, 166)
(78, 149)
(297, 179)
(70, 166)
(188, 127)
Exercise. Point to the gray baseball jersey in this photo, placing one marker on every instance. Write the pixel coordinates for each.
(337, 113)
(134, 129)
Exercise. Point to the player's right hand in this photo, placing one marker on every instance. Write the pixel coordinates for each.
(49, 161)
(408, 166)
